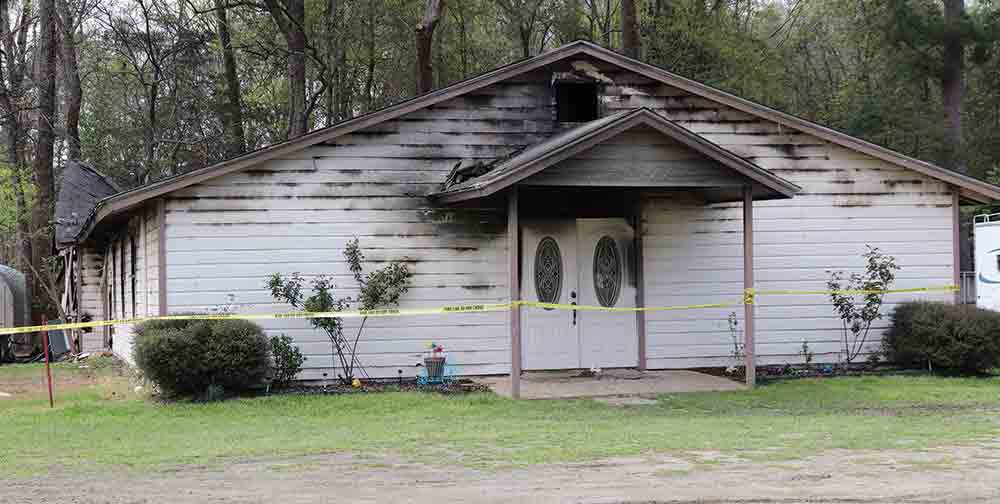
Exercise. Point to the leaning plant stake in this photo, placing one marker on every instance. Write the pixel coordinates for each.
(806, 353)
(737, 351)
(857, 315)
(381, 288)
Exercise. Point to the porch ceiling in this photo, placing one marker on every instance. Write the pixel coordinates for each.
(724, 173)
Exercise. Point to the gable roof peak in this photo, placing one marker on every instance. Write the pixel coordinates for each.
(970, 187)
(567, 143)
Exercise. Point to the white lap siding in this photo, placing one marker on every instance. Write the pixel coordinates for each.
(693, 254)
(129, 300)
(90, 297)
(150, 275)
(225, 237)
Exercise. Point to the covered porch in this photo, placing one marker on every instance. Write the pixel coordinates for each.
(575, 212)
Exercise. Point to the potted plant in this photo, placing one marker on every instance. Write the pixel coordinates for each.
(434, 362)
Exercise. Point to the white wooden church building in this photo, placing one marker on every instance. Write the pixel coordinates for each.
(576, 176)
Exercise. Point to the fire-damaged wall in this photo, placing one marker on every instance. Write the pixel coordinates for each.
(128, 286)
(227, 235)
(693, 252)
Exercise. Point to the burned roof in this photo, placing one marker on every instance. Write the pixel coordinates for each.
(80, 188)
(493, 177)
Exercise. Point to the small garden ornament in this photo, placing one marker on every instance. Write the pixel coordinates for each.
(434, 362)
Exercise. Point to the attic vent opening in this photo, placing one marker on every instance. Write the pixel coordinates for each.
(576, 101)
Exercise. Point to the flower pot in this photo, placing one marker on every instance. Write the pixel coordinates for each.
(435, 367)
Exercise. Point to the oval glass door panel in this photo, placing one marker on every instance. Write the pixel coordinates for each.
(548, 271)
(607, 271)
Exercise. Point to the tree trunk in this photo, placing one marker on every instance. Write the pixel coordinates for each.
(630, 29)
(290, 17)
(425, 41)
(370, 71)
(332, 76)
(953, 82)
(345, 88)
(45, 118)
(22, 230)
(232, 108)
(12, 59)
(606, 31)
(149, 136)
(71, 79)
(463, 39)
(524, 30)
(298, 120)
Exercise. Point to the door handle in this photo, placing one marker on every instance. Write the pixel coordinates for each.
(572, 295)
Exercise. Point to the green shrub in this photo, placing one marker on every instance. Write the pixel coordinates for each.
(943, 336)
(187, 357)
(288, 359)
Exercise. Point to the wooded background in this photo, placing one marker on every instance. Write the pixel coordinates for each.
(144, 89)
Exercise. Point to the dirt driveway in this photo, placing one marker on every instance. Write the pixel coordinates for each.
(66, 376)
(954, 475)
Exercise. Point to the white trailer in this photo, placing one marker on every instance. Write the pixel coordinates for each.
(987, 258)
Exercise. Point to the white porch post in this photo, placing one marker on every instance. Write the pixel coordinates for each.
(514, 281)
(640, 283)
(749, 349)
(161, 259)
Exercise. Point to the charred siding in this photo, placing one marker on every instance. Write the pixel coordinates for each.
(91, 269)
(693, 253)
(225, 236)
(130, 250)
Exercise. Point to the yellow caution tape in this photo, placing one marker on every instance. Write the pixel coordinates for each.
(382, 312)
(940, 288)
(564, 306)
(749, 297)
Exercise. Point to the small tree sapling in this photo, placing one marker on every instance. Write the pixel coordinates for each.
(857, 298)
(378, 289)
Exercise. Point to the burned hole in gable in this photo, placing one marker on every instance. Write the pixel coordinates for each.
(576, 101)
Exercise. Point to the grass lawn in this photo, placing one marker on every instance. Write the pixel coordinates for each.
(36, 372)
(107, 426)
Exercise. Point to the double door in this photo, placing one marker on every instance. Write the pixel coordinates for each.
(587, 262)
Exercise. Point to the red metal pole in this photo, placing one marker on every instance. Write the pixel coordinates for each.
(48, 370)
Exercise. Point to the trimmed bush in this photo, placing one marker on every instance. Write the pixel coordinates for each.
(944, 336)
(190, 357)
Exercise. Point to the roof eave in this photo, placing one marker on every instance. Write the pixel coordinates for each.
(986, 192)
(970, 187)
(129, 199)
(461, 195)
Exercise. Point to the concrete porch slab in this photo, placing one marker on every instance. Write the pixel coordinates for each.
(610, 382)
